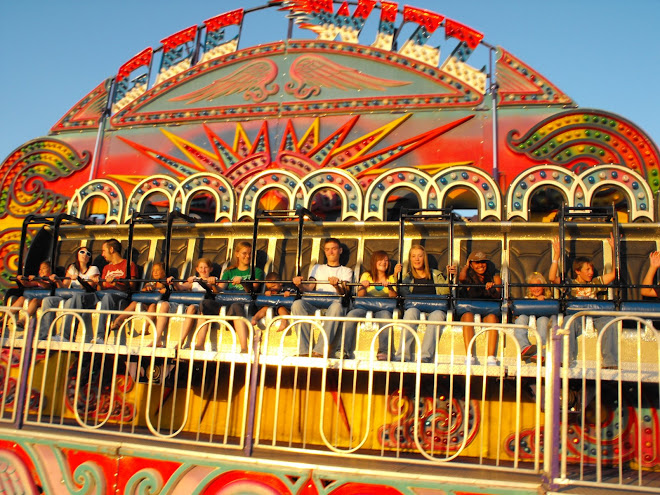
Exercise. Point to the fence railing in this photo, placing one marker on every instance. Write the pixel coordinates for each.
(365, 397)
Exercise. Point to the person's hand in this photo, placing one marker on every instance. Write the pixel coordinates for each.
(365, 284)
(213, 280)
(169, 280)
(297, 280)
(654, 258)
(191, 279)
(489, 285)
(109, 279)
(451, 270)
(611, 241)
(287, 293)
(555, 246)
(31, 278)
(397, 269)
(334, 281)
(540, 298)
(237, 280)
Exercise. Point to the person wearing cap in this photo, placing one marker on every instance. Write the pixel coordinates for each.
(480, 283)
(82, 267)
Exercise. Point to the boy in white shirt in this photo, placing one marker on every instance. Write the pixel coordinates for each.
(336, 275)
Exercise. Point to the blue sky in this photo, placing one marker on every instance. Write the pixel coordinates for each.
(604, 54)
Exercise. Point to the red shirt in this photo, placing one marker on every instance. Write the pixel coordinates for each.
(118, 271)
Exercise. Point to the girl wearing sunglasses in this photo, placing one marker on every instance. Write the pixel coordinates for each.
(81, 267)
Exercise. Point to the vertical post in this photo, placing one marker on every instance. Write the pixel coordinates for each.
(493, 93)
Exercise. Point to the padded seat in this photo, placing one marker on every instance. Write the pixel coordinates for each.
(478, 306)
(37, 293)
(641, 306)
(427, 304)
(375, 304)
(146, 297)
(547, 307)
(575, 305)
(321, 299)
(274, 300)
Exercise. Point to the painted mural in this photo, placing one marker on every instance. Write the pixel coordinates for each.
(348, 124)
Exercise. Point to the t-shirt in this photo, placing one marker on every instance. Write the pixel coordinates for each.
(73, 273)
(235, 272)
(374, 289)
(118, 271)
(587, 292)
(324, 272)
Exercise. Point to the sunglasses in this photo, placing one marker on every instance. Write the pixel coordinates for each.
(85, 252)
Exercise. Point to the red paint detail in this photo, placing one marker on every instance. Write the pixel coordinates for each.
(27, 460)
(183, 36)
(388, 11)
(107, 463)
(128, 466)
(342, 132)
(234, 17)
(364, 8)
(142, 58)
(430, 20)
(364, 489)
(408, 145)
(514, 83)
(343, 10)
(89, 108)
(257, 480)
(470, 36)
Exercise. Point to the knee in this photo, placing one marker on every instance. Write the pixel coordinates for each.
(298, 307)
(411, 314)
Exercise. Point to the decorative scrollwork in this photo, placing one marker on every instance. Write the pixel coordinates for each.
(27, 170)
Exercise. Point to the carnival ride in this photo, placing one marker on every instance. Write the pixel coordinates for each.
(199, 144)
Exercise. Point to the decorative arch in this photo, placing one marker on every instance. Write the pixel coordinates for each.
(487, 190)
(411, 178)
(523, 186)
(216, 185)
(340, 181)
(99, 188)
(579, 189)
(283, 180)
(638, 191)
(154, 184)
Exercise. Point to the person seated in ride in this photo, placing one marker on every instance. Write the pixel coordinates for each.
(42, 280)
(376, 282)
(232, 279)
(649, 278)
(583, 270)
(527, 349)
(273, 288)
(334, 276)
(156, 285)
(422, 280)
(203, 269)
(80, 268)
(479, 283)
(114, 279)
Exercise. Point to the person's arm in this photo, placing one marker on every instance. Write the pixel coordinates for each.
(609, 277)
(462, 275)
(490, 286)
(297, 281)
(649, 278)
(553, 276)
(438, 278)
(364, 285)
